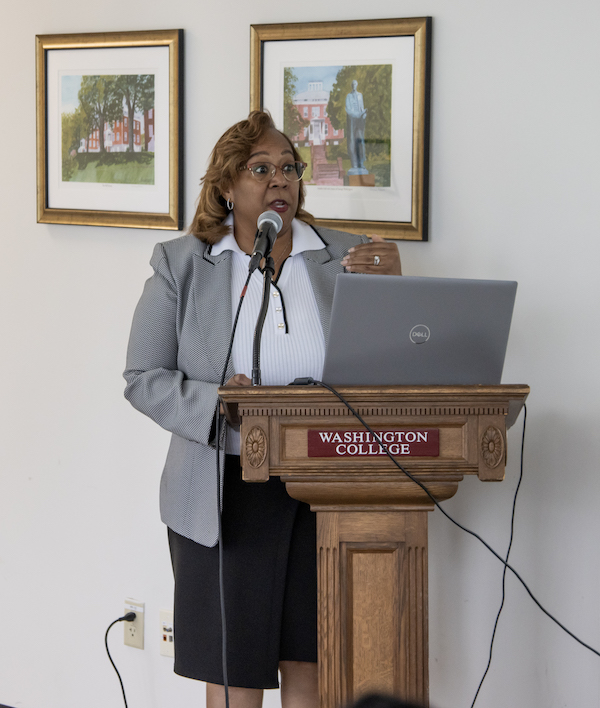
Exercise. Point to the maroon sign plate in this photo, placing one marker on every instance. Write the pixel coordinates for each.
(400, 442)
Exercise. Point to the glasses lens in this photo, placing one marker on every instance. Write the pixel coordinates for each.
(261, 170)
(300, 167)
(293, 171)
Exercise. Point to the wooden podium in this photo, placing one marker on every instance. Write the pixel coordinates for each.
(371, 518)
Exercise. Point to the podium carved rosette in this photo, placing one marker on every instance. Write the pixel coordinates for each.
(371, 518)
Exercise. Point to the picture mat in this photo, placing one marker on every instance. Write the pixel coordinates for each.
(152, 199)
(392, 203)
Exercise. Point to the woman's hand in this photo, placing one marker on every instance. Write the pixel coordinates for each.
(237, 380)
(378, 257)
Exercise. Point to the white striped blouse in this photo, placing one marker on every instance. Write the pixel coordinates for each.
(284, 356)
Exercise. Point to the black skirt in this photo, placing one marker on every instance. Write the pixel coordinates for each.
(270, 581)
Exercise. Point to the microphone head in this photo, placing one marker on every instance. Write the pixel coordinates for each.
(270, 217)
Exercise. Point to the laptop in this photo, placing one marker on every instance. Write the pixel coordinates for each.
(405, 330)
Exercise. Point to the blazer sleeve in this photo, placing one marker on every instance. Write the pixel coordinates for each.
(155, 385)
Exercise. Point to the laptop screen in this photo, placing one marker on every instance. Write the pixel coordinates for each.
(405, 330)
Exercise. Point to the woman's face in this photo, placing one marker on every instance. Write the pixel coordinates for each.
(251, 197)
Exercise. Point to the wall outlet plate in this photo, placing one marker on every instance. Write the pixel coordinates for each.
(134, 631)
(167, 638)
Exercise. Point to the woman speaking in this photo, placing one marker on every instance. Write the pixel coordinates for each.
(177, 350)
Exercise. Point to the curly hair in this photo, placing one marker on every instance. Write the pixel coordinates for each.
(232, 151)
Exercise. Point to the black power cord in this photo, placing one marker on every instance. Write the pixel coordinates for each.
(129, 617)
(510, 542)
(309, 380)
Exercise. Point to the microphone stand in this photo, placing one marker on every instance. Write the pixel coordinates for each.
(268, 273)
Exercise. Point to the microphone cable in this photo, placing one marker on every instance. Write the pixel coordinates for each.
(219, 427)
(506, 564)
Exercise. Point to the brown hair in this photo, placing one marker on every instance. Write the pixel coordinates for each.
(232, 151)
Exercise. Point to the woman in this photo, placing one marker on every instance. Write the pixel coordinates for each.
(177, 350)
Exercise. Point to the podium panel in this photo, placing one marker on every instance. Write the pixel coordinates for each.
(372, 596)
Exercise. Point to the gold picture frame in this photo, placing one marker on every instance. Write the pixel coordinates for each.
(397, 207)
(100, 161)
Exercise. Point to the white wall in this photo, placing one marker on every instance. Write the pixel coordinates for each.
(514, 179)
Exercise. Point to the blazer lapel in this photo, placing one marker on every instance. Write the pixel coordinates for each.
(212, 293)
(322, 268)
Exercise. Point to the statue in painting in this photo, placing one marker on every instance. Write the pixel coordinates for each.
(356, 117)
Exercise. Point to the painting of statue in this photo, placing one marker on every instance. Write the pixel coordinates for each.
(339, 118)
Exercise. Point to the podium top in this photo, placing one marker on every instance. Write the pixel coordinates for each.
(265, 397)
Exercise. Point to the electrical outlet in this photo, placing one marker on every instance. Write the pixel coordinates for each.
(167, 644)
(134, 631)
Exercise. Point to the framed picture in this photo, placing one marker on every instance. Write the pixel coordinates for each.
(353, 97)
(110, 129)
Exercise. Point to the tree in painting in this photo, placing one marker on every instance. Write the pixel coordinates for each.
(137, 92)
(293, 122)
(375, 84)
(100, 102)
(74, 128)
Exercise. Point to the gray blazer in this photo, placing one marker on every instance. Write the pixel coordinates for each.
(177, 350)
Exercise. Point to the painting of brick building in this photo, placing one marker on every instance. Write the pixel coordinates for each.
(312, 107)
(107, 128)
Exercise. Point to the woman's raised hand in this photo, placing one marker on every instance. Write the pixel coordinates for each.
(379, 257)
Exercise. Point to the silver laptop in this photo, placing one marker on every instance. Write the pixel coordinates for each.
(389, 330)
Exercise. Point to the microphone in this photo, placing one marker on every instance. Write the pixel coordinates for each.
(269, 224)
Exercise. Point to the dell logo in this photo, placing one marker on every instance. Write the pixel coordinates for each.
(419, 334)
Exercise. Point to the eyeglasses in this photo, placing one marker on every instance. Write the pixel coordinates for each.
(263, 171)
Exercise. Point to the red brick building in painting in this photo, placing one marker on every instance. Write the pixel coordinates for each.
(116, 136)
(312, 106)
(149, 123)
